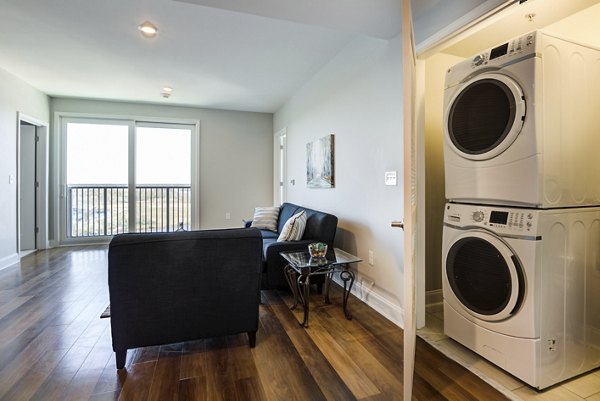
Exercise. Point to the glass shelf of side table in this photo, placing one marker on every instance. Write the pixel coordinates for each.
(301, 267)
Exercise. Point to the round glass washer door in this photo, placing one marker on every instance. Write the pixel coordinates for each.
(485, 276)
(485, 116)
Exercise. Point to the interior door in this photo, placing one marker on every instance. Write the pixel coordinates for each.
(27, 184)
(410, 195)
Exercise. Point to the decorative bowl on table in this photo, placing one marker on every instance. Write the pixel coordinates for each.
(317, 249)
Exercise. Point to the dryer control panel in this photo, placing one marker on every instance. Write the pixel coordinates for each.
(513, 48)
(500, 219)
(494, 58)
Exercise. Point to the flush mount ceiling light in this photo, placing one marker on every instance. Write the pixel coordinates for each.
(166, 92)
(148, 29)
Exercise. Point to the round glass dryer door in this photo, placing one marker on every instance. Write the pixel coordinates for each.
(485, 116)
(484, 276)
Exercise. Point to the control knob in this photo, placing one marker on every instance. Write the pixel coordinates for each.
(478, 60)
(478, 216)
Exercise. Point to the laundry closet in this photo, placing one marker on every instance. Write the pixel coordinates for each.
(517, 192)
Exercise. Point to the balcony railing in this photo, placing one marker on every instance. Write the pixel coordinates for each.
(103, 210)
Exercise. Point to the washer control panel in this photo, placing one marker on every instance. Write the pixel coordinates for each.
(504, 220)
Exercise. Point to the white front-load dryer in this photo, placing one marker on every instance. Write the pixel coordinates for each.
(521, 288)
(522, 127)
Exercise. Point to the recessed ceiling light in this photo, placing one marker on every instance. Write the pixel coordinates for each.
(167, 89)
(148, 29)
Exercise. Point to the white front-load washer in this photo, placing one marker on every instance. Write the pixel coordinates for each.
(521, 288)
(522, 127)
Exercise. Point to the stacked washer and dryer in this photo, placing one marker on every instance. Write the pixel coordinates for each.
(521, 239)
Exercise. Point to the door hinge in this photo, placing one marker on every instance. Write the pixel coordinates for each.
(281, 147)
(37, 184)
(37, 138)
(280, 183)
(37, 230)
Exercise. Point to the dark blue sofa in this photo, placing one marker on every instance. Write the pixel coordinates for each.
(320, 227)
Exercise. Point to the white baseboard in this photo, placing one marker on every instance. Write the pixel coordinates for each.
(434, 297)
(365, 293)
(53, 244)
(9, 260)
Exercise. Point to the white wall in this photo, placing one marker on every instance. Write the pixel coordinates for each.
(236, 154)
(582, 26)
(15, 96)
(435, 196)
(358, 97)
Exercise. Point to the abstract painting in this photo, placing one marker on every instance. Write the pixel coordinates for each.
(320, 163)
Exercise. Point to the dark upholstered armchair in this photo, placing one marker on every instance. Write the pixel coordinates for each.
(174, 287)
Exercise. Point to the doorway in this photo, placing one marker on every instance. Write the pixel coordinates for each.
(280, 167)
(32, 184)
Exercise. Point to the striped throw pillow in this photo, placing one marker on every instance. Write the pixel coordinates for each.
(265, 218)
(293, 228)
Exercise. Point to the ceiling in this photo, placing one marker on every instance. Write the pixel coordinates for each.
(227, 54)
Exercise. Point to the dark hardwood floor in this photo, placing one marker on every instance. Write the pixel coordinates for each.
(54, 346)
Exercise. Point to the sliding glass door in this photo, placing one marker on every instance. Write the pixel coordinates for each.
(97, 160)
(163, 177)
(126, 176)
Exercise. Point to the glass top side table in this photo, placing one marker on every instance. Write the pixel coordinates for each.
(301, 267)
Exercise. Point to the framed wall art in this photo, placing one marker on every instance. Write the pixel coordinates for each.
(320, 163)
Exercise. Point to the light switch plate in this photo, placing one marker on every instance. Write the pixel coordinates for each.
(391, 178)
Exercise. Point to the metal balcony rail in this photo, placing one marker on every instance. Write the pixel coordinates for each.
(103, 210)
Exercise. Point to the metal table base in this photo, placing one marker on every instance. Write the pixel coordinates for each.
(300, 285)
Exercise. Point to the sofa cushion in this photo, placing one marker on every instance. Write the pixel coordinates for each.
(265, 244)
(293, 228)
(287, 211)
(265, 218)
(268, 234)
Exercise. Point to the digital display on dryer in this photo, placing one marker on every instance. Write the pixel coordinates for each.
(498, 217)
(498, 51)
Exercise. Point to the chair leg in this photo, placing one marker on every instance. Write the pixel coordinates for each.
(252, 338)
(121, 356)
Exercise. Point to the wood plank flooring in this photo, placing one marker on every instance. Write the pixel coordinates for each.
(54, 346)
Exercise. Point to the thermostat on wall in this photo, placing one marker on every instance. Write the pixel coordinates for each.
(390, 178)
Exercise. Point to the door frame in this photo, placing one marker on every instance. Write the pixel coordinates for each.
(42, 178)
